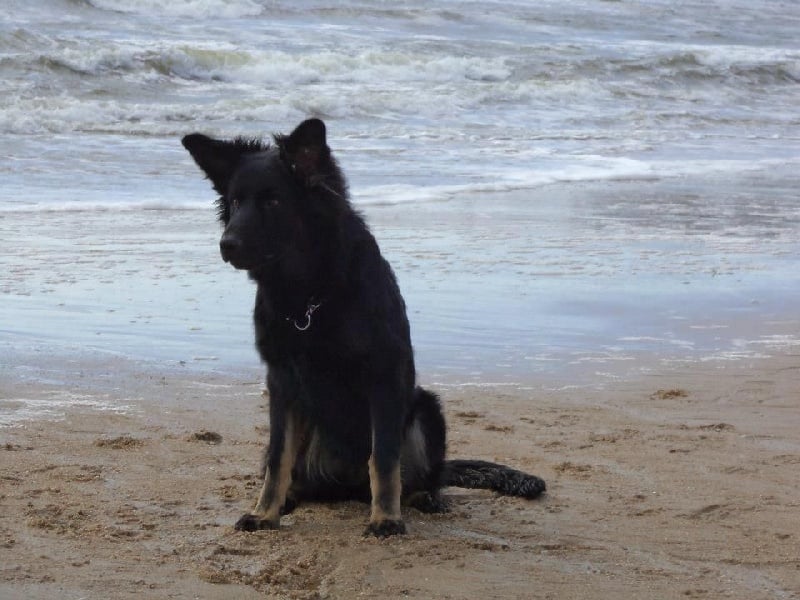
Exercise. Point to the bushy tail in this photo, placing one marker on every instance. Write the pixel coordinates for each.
(491, 476)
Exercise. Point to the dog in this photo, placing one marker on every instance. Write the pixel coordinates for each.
(347, 420)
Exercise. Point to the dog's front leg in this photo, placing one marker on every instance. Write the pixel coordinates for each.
(281, 457)
(384, 470)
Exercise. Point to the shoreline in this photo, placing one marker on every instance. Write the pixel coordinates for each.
(593, 281)
(680, 483)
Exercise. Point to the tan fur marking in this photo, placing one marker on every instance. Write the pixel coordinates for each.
(276, 485)
(383, 488)
(414, 454)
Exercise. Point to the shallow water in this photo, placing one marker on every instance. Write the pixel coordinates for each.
(567, 284)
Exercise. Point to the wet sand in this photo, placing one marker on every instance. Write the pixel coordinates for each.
(681, 483)
(588, 283)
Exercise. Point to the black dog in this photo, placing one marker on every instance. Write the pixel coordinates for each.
(347, 420)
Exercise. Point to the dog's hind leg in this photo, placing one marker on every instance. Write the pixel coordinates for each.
(283, 445)
(423, 454)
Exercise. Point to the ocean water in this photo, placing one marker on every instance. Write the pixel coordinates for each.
(426, 100)
(556, 183)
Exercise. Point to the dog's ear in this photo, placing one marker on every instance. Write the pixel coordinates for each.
(305, 150)
(217, 158)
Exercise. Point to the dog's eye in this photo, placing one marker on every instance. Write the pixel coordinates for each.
(235, 203)
(273, 202)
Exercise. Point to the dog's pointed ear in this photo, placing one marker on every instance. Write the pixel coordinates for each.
(218, 158)
(305, 150)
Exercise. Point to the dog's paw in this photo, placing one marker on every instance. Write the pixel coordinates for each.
(250, 522)
(385, 528)
(289, 506)
(427, 502)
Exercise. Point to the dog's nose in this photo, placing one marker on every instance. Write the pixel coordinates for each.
(229, 246)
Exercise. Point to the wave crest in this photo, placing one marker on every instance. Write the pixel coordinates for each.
(226, 9)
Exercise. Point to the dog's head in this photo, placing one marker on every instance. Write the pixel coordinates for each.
(269, 193)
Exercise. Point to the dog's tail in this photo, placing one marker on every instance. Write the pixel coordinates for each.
(485, 475)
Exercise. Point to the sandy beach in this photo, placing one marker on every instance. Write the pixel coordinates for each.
(682, 483)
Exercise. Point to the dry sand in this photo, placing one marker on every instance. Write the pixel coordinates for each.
(678, 485)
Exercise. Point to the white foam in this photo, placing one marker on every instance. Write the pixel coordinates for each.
(225, 9)
(733, 356)
(15, 411)
(503, 178)
(722, 57)
(777, 342)
(476, 385)
(100, 206)
(584, 169)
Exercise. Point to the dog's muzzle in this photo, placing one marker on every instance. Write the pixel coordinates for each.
(230, 247)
